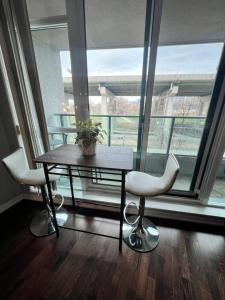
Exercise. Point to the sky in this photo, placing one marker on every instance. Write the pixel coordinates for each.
(182, 59)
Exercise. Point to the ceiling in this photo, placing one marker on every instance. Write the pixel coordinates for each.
(120, 23)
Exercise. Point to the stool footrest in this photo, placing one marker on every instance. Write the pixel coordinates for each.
(124, 214)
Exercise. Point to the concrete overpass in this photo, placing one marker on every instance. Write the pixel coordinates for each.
(129, 85)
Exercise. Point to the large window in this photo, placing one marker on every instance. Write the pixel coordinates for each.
(186, 66)
(51, 46)
(49, 30)
(115, 43)
(116, 47)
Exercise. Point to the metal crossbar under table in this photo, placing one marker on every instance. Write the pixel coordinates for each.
(107, 161)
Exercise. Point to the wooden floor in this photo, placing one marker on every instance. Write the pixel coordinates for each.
(187, 264)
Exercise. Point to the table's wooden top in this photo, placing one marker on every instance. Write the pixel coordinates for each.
(113, 158)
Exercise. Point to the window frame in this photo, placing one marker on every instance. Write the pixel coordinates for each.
(205, 171)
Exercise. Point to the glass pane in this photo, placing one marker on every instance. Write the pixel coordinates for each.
(159, 134)
(217, 196)
(51, 47)
(186, 67)
(115, 39)
(54, 70)
(52, 55)
(187, 133)
(124, 131)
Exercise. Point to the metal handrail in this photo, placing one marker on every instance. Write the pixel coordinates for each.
(133, 116)
(65, 127)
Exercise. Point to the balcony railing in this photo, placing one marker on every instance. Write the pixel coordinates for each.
(182, 135)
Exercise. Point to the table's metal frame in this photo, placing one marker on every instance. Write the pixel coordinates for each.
(69, 173)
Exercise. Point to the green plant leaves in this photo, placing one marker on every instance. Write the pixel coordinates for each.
(89, 132)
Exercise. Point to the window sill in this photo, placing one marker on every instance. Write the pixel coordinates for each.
(165, 207)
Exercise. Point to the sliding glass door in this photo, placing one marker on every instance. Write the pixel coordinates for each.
(51, 46)
(145, 69)
(49, 29)
(115, 32)
(189, 51)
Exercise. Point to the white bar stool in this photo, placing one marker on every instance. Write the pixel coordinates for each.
(42, 223)
(140, 233)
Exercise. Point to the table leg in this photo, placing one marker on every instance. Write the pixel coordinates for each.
(71, 185)
(50, 198)
(122, 205)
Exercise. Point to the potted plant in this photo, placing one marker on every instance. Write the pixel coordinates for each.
(88, 134)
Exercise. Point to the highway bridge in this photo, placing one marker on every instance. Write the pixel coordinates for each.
(130, 85)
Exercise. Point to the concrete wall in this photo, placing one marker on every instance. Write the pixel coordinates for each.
(8, 143)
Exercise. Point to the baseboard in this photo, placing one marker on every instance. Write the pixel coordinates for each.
(159, 209)
(10, 203)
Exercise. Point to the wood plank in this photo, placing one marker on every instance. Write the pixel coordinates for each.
(189, 263)
(110, 158)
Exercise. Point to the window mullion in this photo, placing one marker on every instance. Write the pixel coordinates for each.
(156, 20)
(77, 44)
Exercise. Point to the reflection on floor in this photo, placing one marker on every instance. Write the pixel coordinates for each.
(182, 183)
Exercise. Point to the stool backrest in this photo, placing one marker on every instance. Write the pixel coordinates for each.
(171, 171)
(16, 164)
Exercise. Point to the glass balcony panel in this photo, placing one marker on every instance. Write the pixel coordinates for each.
(124, 131)
(104, 120)
(159, 134)
(186, 137)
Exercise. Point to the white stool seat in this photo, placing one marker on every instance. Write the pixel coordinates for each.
(18, 168)
(142, 184)
(35, 177)
(43, 224)
(140, 233)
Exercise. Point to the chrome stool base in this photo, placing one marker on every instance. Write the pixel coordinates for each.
(141, 238)
(42, 224)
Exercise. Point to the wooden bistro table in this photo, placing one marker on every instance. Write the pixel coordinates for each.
(107, 160)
